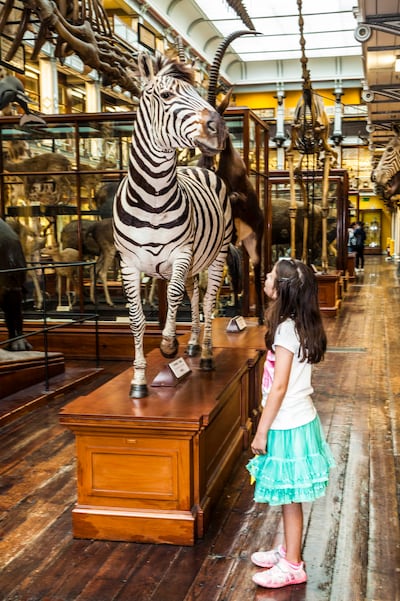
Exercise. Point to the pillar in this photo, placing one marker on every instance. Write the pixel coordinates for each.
(93, 97)
(94, 147)
(337, 134)
(48, 86)
(280, 135)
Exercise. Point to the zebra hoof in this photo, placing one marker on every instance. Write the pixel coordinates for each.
(169, 347)
(206, 364)
(193, 350)
(138, 391)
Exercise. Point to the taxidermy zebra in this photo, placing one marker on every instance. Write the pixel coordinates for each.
(171, 223)
(386, 174)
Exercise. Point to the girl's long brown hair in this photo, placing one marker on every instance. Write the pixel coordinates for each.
(297, 298)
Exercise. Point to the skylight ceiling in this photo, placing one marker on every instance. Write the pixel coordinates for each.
(328, 28)
(272, 57)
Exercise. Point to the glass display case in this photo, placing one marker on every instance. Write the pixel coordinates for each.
(337, 217)
(357, 162)
(372, 220)
(54, 184)
(58, 183)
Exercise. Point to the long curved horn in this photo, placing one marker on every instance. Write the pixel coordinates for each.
(219, 55)
(181, 50)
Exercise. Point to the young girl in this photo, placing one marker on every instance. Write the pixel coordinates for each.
(292, 459)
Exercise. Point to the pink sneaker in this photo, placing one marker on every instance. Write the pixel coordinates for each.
(281, 574)
(267, 559)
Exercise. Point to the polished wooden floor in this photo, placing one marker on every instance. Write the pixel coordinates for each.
(351, 536)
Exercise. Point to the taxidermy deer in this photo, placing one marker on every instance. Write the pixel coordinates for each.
(69, 272)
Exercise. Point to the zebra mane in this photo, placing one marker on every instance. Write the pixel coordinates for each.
(173, 68)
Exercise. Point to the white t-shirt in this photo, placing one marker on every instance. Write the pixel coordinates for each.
(297, 406)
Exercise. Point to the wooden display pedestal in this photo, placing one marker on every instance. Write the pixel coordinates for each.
(22, 369)
(151, 469)
(351, 262)
(329, 293)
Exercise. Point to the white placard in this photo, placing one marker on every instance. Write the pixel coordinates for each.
(236, 324)
(179, 368)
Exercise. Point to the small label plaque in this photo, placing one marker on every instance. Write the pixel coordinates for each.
(236, 324)
(179, 368)
(172, 373)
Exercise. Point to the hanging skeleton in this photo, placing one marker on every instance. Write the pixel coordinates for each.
(309, 136)
(80, 27)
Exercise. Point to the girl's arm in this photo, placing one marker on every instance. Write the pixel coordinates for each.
(283, 365)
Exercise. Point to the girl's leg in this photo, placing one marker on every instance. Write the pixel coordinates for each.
(293, 529)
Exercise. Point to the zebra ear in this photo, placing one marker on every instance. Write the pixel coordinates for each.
(145, 64)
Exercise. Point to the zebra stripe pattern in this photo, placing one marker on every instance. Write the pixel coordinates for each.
(171, 223)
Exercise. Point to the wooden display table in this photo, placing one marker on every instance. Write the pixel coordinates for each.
(150, 470)
(252, 337)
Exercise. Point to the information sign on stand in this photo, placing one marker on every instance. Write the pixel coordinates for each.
(236, 324)
(172, 373)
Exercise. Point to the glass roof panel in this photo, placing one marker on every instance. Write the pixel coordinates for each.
(328, 28)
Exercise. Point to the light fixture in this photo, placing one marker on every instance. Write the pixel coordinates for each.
(397, 64)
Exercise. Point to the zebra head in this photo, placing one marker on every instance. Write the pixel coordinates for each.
(178, 116)
(388, 167)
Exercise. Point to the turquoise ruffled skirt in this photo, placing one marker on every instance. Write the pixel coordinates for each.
(295, 468)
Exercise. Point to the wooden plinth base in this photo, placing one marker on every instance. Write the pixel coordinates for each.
(24, 401)
(134, 526)
(151, 469)
(19, 370)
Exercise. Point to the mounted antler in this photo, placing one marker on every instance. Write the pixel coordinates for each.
(181, 50)
(216, 65)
